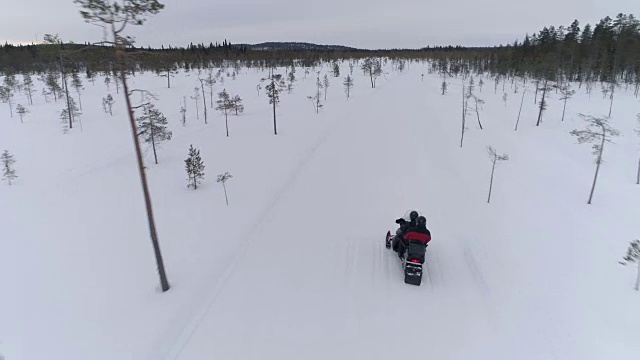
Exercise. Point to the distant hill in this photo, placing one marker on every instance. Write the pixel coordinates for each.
(296, 46)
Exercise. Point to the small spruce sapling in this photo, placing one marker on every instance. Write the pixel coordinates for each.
(183, 111)
(22, 111)
(6, 96)
(194, 167)
(223, 178)
(326, 84)
(107, 104)
(633, 256)
(238, 107)
(8, 172)
(348, 85)
(504, 99)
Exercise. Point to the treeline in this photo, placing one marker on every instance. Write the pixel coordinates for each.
(608, 51)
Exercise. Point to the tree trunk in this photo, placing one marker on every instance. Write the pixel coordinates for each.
(164, 283)
(204, 100)
(22, 122)
(544, 92)
(225, 193)
(637, 287)
(66, 91)
(226, 122)
(169, 79)
(195, 183)
(638, 177)
(79, 100)
(493, 168)
(153, 142)
(478, 115)
(598, 162)
(564, 108)
(520, 111)
(611, 97)
(463, 117)
(275, 129)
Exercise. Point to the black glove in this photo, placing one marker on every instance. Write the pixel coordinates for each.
(401, 221)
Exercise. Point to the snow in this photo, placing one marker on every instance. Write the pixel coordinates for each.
(296, 264)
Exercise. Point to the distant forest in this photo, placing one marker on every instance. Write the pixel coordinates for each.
(608, 51)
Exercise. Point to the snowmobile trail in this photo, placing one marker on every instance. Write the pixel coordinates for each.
(312, 284)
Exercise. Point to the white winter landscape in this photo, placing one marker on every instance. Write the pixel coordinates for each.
(295, 266)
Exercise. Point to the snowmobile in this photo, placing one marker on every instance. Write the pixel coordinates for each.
(411, 260)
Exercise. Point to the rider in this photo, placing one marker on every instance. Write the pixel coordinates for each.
(419, 232)
(404, 226)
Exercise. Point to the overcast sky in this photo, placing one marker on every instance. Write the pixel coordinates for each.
(358, 23)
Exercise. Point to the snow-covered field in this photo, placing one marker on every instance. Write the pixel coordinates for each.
(295, 266)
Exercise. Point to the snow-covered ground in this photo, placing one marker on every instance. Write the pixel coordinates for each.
(295, 266)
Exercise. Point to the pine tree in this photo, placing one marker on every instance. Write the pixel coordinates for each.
(69, 114)
(225, 104)
(76, 83)
(567, 94)
(21, 110)
(443, 87)
(8, 172)
(196, 97)
(273, 89)
(223, 178)
(210, 81)
(478, 103)
(336, 70)
(116, 17)
(107, 104)
(495, 159)
(183, 111)
(238, 107)
(633, 256)
(28, 86)
(204, 99)
(504, 99)
(348, 85)
(315, 99)
(194, 167)
(480, 83)
(373, 68)
(326, 84)
(6, 96)
(152, 128)
(599, 131)
(543, 102)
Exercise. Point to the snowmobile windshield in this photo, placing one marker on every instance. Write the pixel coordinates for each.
(407, 215)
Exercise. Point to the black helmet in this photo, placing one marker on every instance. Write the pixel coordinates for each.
(422, 220)
(413, 215)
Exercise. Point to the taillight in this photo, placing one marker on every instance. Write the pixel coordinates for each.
(415, 261)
